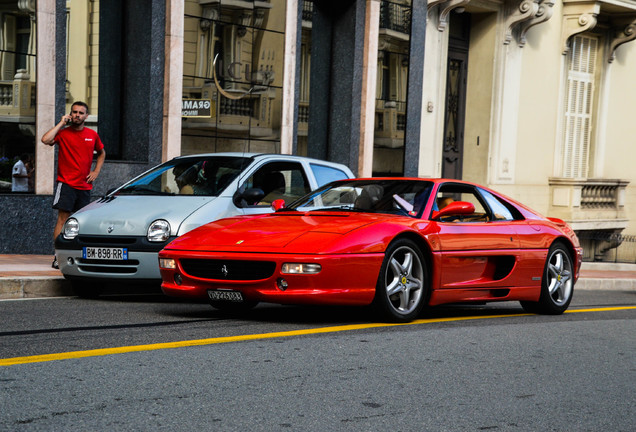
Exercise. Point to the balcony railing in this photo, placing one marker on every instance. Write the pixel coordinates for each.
(240, 107)
(589, 204)
(17, 97)
(390, 123)
(595, 209)
(250, 113)
(308, 10)
(396, 17)
(599, 196)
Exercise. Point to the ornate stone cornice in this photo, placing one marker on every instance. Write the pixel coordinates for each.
(578, 17)
(543, 14)
(445, 8)
(27, 6)
(624, 31)
(432, 3)
(520, 12)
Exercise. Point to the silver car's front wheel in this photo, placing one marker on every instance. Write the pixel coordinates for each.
(402, 286)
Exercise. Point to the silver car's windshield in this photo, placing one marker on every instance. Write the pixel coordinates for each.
(405, 197)
(204, 176)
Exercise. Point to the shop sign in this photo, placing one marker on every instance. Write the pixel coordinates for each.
(196, 108)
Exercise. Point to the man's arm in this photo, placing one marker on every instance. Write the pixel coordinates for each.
(49, 137)
(101, 156)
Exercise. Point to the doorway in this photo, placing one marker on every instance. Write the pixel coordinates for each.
(454, 116)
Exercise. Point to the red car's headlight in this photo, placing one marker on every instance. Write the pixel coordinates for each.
(300, 268)
(167, 263)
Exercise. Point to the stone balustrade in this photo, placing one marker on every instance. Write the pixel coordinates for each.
(17, 98)
(589, 204)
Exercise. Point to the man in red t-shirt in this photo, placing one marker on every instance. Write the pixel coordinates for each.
(77, 144)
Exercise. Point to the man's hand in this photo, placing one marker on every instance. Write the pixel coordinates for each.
(49, 137)
(90, 178)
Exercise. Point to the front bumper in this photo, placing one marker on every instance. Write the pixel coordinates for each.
(348, 279)
(141, 265)
(138, 266)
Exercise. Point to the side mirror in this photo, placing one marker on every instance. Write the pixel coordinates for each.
(278, 204)
(457, 208)
(248, 197)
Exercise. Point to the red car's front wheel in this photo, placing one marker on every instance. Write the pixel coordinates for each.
(402, 288)
(557, 285)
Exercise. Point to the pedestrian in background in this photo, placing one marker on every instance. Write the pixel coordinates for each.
(77, 144)
(21, 174)
(30, 166)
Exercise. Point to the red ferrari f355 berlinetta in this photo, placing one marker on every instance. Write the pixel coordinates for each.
(396, 243)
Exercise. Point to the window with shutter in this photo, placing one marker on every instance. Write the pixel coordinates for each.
(579, 105)
(8, 43)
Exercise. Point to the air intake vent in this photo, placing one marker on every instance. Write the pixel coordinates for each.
(228, 269)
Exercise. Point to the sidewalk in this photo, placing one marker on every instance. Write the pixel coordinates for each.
(29, 276)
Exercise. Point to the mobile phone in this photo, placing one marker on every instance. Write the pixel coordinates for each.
(68, 120)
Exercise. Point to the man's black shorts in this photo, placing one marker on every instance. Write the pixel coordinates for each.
(70, 199)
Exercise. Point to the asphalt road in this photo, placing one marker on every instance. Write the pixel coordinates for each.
(150, 363)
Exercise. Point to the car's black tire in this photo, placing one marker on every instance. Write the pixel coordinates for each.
(227, 306)
(402, 289)
(87, 290)
(557, 284)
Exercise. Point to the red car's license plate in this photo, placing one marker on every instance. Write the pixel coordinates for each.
(225, 295)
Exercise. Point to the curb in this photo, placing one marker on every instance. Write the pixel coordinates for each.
(34, 287)
(46, 286)
(600, 284)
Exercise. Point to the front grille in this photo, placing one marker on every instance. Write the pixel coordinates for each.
(108, 266)
(228, 269)
(101, 240)
(133, 244)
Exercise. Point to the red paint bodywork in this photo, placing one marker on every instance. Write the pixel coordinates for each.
(478, 261)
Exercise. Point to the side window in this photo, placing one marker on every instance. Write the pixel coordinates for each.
(449, 193)
(279, 180)
(325, 174)
(499, 211)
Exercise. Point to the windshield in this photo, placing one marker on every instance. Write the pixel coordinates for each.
(404, 197)
(203, 176)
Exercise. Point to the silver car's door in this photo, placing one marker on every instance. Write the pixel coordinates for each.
(285, 180)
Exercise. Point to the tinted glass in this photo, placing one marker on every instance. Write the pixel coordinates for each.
(451, 192)
(233, 75)
(402, 197)
(325, 174)
(279, 180)
(191, 176)
(499, 211)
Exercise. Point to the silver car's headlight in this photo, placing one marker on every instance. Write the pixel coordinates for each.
(159, 231)
(71, 229)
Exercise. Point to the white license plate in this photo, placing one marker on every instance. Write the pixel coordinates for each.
(225, 295)
(105, 253)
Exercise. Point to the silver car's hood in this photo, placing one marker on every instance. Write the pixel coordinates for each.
(130, 215)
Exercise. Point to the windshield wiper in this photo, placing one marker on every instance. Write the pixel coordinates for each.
(348, 208)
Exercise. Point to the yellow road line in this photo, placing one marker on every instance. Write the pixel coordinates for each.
(260, 336)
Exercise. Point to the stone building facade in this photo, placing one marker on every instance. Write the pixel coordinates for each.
(531, 97)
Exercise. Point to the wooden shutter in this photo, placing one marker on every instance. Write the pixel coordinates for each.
(578, 106)
(8, 47)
